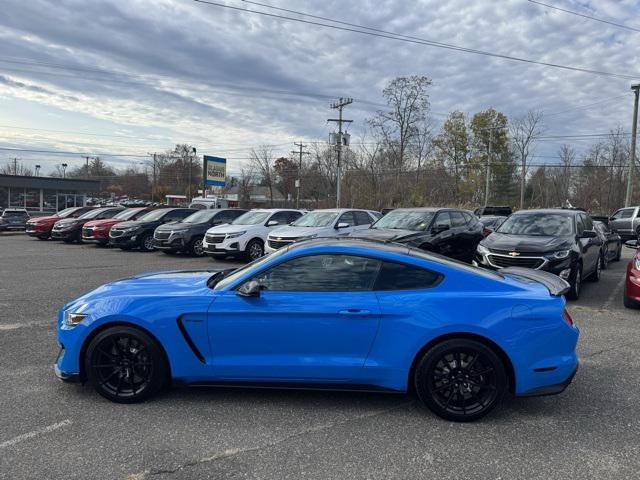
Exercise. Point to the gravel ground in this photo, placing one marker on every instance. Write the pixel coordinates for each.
(53, 430)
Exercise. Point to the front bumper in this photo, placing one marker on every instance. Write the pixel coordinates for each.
(63, 234)
(37, 231)
(173, 242)
(65, 376)
(562, 268)
(228, 246)
(127, 240)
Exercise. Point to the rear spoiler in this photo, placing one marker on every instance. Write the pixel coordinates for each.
(556, 285)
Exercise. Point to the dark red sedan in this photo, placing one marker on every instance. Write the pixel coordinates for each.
(97, 231)
(632, 281)
(40, 227)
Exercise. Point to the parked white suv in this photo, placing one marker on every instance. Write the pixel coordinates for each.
(247, 234)
(332, 222)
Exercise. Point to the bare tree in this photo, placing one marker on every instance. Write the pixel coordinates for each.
(525, 130)
(262, 163)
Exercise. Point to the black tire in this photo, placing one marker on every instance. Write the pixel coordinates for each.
(619, 253)
(43, 237)
(195, 247)
(604, 259)
(125, 248)
(146, 242)
(125, 365)
(575, 282)
(169, 252)
(254, 249)
(461, 380)
(595, 275)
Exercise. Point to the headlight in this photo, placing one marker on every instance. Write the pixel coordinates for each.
(235, 235)
(72, 319)
(482, 250)
(559, 255)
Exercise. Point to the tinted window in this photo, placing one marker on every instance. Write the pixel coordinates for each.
(580, 224)
(468, 218)
(624, 213)
(281, 217)
(14, 213)
(178, 214)
(362, 218)
(201, 216)
(347, 217)
(293, 216)
(457, 220)
(405, 220)
(588, 223)
(443, 218)
(321, 273)
(109, 213)
(224, 217)
(396, 276)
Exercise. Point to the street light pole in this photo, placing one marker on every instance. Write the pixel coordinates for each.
(632, 157)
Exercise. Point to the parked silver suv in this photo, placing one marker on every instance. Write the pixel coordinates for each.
(626, 222)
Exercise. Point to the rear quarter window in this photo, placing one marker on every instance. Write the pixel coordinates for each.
(398, 276)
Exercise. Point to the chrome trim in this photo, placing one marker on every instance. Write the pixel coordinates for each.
(519, 257)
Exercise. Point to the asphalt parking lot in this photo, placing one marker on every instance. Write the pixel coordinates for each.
(52, 430)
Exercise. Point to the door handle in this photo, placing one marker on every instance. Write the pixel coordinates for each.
(354, 312)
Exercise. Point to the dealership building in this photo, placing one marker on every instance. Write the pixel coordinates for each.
(45, 194)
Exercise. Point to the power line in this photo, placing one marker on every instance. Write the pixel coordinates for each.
(584, 107)
(415, 40)
(571, 12)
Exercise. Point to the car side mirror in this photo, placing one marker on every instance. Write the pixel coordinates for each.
(589, 234)
(631, 244)
(342, 225)
(271, 223)
(440, 228)
(249, 289)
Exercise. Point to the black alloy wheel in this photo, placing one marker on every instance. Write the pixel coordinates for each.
(575, 282)
(597, 272)
(254, 249)
(461, 380)
(125, 365)
(146, 243)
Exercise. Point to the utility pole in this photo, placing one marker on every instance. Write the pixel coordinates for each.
(339, 105)
(64, 170)
(153, 181)
(86, 168)
(15, 166)
(632, 157)
(37, 170)
(487, 180)
(300, 152)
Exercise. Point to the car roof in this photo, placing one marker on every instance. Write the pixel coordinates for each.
(557, 211)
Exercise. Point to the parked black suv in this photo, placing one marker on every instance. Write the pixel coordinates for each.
(139, 233)
(502, 211)
(559, 241)
(447, 231)
(186, 235)
(70, 229)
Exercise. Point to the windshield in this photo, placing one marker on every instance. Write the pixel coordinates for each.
(91, 214)
(538, 224)
(14, 213)
(66, 212)
(405, 220)
(127, 214)
(316, 219)
(200, 217)
(251, 218)
(153, 215)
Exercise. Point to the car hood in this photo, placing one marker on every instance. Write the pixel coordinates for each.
(527, 243)
(154, 284)
(386, 234)
(179, 225)
(138, 223)
(49, 219)
(106, 222)
(297, 232)
(228, 228)
(68, 221)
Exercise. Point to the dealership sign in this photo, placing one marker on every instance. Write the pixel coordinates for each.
(216, 169)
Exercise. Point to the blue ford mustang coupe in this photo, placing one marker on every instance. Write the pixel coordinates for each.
(328, 313)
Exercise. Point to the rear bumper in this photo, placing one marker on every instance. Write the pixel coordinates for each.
(552, 389)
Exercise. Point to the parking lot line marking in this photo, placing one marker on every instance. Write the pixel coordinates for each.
(614, 294)
(35, 433)
(15, 326)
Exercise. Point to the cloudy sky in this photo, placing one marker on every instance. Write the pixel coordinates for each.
(137, 76)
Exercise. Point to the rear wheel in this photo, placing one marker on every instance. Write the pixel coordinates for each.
(125, 365)
(575, 282)
(618, 253)
(461, 380)
(595, 276)
(254, 249)
(604, 259)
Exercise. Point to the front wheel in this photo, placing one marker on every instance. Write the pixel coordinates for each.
(146, 243)
(254, 250)
(195, 247)
(461, 380)
(575, 283)
(125, 365)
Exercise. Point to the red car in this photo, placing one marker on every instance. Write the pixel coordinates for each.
(97, 231)
(40, 227)
(632, 282)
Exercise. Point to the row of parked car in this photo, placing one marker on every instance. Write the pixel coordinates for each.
(566, 242)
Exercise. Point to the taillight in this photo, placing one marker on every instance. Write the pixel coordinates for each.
(567, 317)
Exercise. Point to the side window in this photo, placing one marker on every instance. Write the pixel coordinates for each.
(222, 217)
(293, 216)
(362, 218)
(397, 276)
(281, 217)
(443, 218)
(579, 224)
(457, 220)
(468, 218)
(321, 273)
(139, 214)
(588, 223)
(347, 217)
(109, 213)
